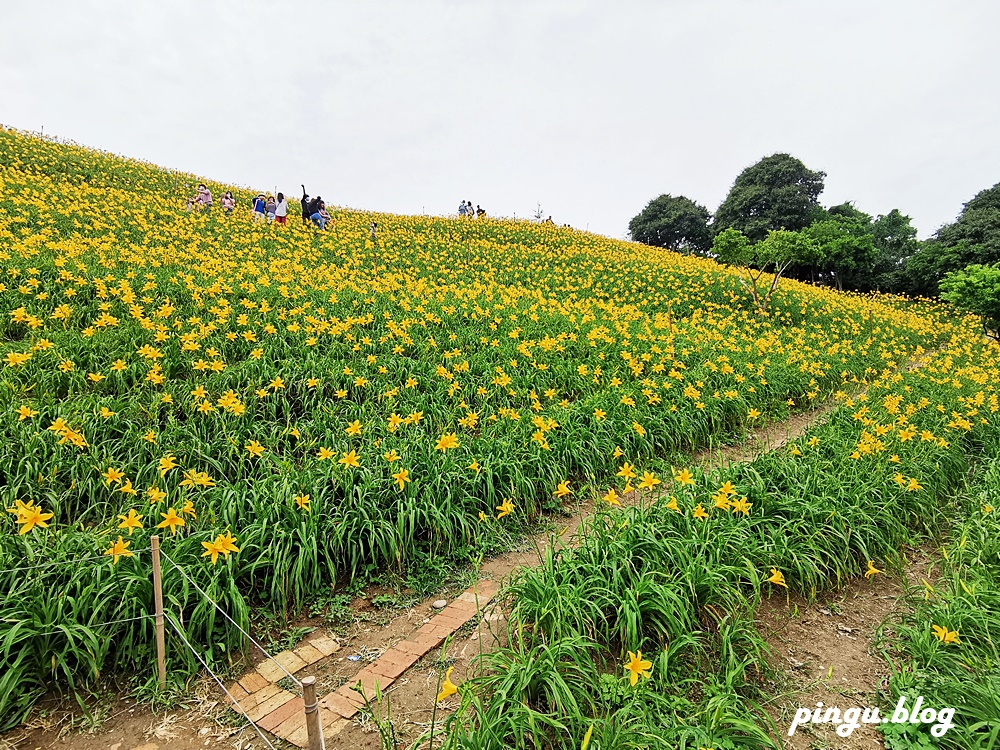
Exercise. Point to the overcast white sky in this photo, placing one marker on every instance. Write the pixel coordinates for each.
(591, 108)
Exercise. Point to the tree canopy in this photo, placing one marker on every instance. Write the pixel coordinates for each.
(840, 245)
(769, 257)
(974, 238)
(844, 246)
(676, 223)
(895, 240)
(976, 289)
(778, 192)
(978, 225)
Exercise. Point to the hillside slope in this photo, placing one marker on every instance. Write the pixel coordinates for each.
(335, 406)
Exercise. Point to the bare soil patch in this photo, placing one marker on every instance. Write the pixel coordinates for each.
(829, 651)
(768, 438)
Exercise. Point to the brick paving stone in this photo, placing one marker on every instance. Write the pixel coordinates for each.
(300, 737)
(265, 693)
(308, 653)
(487, 589)
(324, 644)
(473, 603)
(291, 725)
(332, 726)
(467, 596)
(350, 696)
(449, 620)
(272, 672)
(261, 710)
(410, 647)
(339, 705)
(238, 692)
(253, 681)
(426, 641)
(457, 610)
(335, 727)
(433, 629)
(393, 663)
(282, 713)
(463, 611)
(290, 661)
(367, 677)
(329, 721)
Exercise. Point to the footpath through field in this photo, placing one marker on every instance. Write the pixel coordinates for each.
(397, 647)
(405, 655)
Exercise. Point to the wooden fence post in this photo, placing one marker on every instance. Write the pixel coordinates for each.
(313, 729)
(161, 661)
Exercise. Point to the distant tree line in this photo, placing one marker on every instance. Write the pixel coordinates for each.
(772, 222)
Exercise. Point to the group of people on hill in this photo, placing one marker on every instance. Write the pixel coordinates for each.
(270, 208)
(466, 211)
(314, 210)
(266, 207)
(201, 200)
(275, 208)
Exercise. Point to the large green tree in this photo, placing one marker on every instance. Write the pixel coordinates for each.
(761, 264)
(974, 238)
(978, 224)
(977, 290)
(676, 223)
(895, 240)
(844, 246)
(778, 192)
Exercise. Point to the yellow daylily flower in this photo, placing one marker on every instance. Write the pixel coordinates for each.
(118, 549)
(638, 667)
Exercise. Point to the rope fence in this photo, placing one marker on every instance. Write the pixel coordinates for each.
(180, 634)
(231, 620)
(161, 617)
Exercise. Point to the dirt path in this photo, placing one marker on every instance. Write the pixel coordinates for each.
(207, 723)
(827, 651)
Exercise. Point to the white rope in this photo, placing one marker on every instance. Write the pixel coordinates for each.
(235, 624)
(216, 678)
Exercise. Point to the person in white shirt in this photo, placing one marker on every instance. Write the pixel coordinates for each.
(281, 210)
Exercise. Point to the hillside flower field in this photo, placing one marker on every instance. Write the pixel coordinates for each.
(292, 409)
